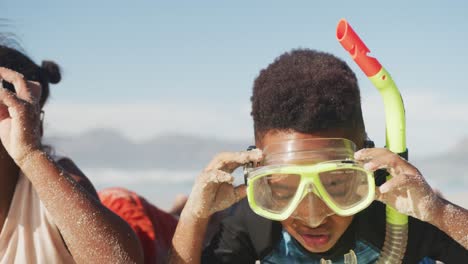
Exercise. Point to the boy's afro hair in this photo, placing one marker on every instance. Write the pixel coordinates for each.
(307, 91)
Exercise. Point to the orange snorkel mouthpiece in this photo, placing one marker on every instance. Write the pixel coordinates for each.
(356, 47)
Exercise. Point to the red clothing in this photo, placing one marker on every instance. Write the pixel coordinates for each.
(154, 227)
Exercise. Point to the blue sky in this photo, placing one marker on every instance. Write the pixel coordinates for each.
(192, 55)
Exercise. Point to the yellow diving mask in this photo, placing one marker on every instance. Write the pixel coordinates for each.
(310, 171)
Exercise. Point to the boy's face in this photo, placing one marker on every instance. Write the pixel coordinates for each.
(323, 234)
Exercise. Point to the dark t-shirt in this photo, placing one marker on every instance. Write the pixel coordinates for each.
(244, 237)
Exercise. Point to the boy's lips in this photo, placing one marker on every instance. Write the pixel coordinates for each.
(316, 240)
(315, 237)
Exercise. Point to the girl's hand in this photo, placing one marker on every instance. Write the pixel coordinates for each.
(213, 190)
(19, 116)
(407, 191)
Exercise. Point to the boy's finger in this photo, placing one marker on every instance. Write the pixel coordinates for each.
(391, 184)
(215, 176)
(378, 195)
(375, 159)
(368, 154)
(229, 161)
(240, 192)
(223, 177)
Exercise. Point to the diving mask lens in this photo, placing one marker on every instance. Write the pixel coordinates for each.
(275, 192)
(346, 187)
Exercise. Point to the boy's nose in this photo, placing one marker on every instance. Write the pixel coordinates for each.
(312, 210)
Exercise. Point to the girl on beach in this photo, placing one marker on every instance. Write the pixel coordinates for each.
(49, 211)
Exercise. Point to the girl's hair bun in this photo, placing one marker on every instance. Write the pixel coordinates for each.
(52, 71)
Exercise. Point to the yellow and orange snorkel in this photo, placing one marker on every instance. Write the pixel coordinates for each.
(397, 224)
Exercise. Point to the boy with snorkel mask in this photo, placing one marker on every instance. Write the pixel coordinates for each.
(310, 195)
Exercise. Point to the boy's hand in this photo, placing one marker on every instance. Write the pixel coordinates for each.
(407, 191)
(213, 190)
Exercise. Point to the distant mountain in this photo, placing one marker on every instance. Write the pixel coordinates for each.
(105, 148)
(110, 159)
